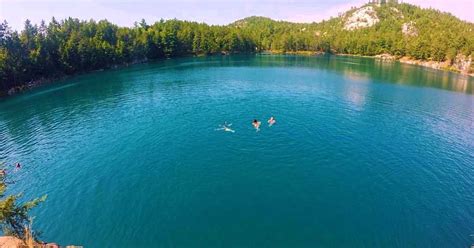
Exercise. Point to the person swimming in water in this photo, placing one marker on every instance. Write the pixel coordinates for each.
(17, 166)
(271, 121)
(256, 124)
(226, 128)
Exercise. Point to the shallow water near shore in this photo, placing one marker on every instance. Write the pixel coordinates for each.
(364, 153)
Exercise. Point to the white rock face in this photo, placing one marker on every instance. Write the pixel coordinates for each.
(362, 18)
(409, 29)
(462, 63)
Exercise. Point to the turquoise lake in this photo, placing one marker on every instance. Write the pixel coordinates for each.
(364, 153)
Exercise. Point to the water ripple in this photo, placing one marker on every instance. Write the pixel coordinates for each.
(356, 157)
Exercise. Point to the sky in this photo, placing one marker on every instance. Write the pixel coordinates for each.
(126, 12)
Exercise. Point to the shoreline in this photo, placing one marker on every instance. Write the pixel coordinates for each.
(51, 80)
(437, 65)
(441, 66)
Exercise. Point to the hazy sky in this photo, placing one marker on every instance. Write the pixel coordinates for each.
(126, 12)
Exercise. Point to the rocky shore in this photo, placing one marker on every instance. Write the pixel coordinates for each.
(461, 64)
(13, 242)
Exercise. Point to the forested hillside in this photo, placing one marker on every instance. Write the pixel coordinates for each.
(72, 46)
(430, 34)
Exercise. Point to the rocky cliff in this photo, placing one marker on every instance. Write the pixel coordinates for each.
(361, 18)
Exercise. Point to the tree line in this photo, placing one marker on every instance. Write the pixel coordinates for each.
(72, 46)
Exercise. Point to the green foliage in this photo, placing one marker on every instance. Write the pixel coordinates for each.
(72, 46)
(14, 217)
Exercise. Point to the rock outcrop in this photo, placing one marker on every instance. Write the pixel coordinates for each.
(462, 63)
(13, 242)
(386, 56)
(409, 29)
(362, 18)
(430, 64)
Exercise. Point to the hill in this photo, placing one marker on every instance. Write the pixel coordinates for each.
(70, 46)
(373, 29)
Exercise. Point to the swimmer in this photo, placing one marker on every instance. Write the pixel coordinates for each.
(226, 128)
(271, 121)
(17, 166)
(256, 125)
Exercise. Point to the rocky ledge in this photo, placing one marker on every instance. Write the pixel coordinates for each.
(462, 64)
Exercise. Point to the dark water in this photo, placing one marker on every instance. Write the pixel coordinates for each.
(363, 154)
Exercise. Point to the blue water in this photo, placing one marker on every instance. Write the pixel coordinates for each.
(363, 154)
